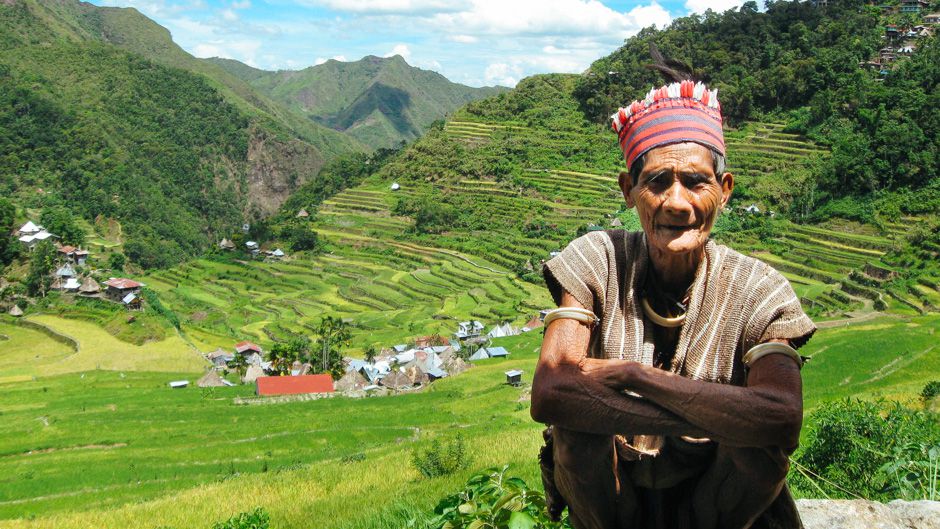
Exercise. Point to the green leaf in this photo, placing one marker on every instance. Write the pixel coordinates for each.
(521, 520)
(503, 500)
(467, 508)
(477, 524)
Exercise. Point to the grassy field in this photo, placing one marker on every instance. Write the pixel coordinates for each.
(54, 345)
(106, 450)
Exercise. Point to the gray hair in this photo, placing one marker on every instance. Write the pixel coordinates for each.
(718, 164)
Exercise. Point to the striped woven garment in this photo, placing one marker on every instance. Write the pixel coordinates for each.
(736, 303)
(675, 113)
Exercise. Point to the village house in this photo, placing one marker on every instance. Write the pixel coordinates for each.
(252, 353)
(914, 6)
(298, 385)
(226, 244)
(501, 331)
(252, 247)
(89, 287)
(489, 352)
(65, 271)
(932, 18)
(302, 214)
(220, 357)
(468, 329)
(73, 254)
(119, 288)
(31, 240)
(29, 229)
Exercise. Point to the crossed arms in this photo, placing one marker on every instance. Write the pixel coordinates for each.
(585, 394)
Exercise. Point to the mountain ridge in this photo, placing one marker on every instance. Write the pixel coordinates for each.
(343, 95)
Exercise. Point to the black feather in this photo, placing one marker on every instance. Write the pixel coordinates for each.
(672, 70)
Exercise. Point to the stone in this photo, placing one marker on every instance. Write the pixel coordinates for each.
(864, 514)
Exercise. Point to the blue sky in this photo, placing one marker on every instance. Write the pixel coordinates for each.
(475, 42)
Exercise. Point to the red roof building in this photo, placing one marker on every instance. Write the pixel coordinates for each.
(121, 283)
(297, 385)
(242, 347)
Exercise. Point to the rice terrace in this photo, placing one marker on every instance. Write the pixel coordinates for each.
(233, 297)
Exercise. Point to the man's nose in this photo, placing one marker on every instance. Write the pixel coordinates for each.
(677, 200)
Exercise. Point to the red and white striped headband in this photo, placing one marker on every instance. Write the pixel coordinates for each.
(675, 113)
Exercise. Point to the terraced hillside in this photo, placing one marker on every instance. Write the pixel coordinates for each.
(480, 203)
(390, 290)
(395, 280)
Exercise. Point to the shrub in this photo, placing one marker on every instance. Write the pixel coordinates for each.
(492, 499)
(441, 458)
(256, 519)
(931, 390)
(874, 450)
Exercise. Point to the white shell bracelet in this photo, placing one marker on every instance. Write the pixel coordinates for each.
(764, 349)
(572, 313)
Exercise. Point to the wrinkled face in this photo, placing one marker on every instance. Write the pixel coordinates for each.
(677, 196)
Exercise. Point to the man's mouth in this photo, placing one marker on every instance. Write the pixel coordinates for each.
(676, 227)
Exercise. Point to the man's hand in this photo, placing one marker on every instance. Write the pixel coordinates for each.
(611, 373)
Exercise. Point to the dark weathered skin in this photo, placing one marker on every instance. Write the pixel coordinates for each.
(755, 426)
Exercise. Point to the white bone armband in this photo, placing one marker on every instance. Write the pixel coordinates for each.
(761, 350)
(585, 316)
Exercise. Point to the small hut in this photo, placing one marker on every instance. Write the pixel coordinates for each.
(302, 214)
(396, 380)
(616, 223)
(252, 374)
(89, 287)
(514, 377)
(226, 244)
(212, 379)
(16, 311)
(351, 381)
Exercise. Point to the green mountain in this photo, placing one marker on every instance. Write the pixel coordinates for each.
(379, 101)
(101, 112)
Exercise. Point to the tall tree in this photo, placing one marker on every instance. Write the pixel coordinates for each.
(332, 335)
(41, 264)
(7, 214)
(59, 221)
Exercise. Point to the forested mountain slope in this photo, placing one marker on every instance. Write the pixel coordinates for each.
(380, 101)
(121, 131)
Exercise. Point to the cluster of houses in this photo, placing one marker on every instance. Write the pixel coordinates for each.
(253, 248)
(400, 367)
(66, 277)
(32, 234)
(901, 42)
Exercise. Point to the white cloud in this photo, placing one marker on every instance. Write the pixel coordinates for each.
(156, 8)
(319, 61)
(386, 7)
(550, 17)
(239, 49)
(229, 15)
(719, 6)
(243, 4)
(502, 74)
(463, 39)
(400, 49)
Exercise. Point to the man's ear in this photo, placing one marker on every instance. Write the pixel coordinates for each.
(626, 184)
(727, 186)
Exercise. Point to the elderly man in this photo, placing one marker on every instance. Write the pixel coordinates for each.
(669, 372)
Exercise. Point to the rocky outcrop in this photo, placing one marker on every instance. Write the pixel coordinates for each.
(277, 167)
(863, 514)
